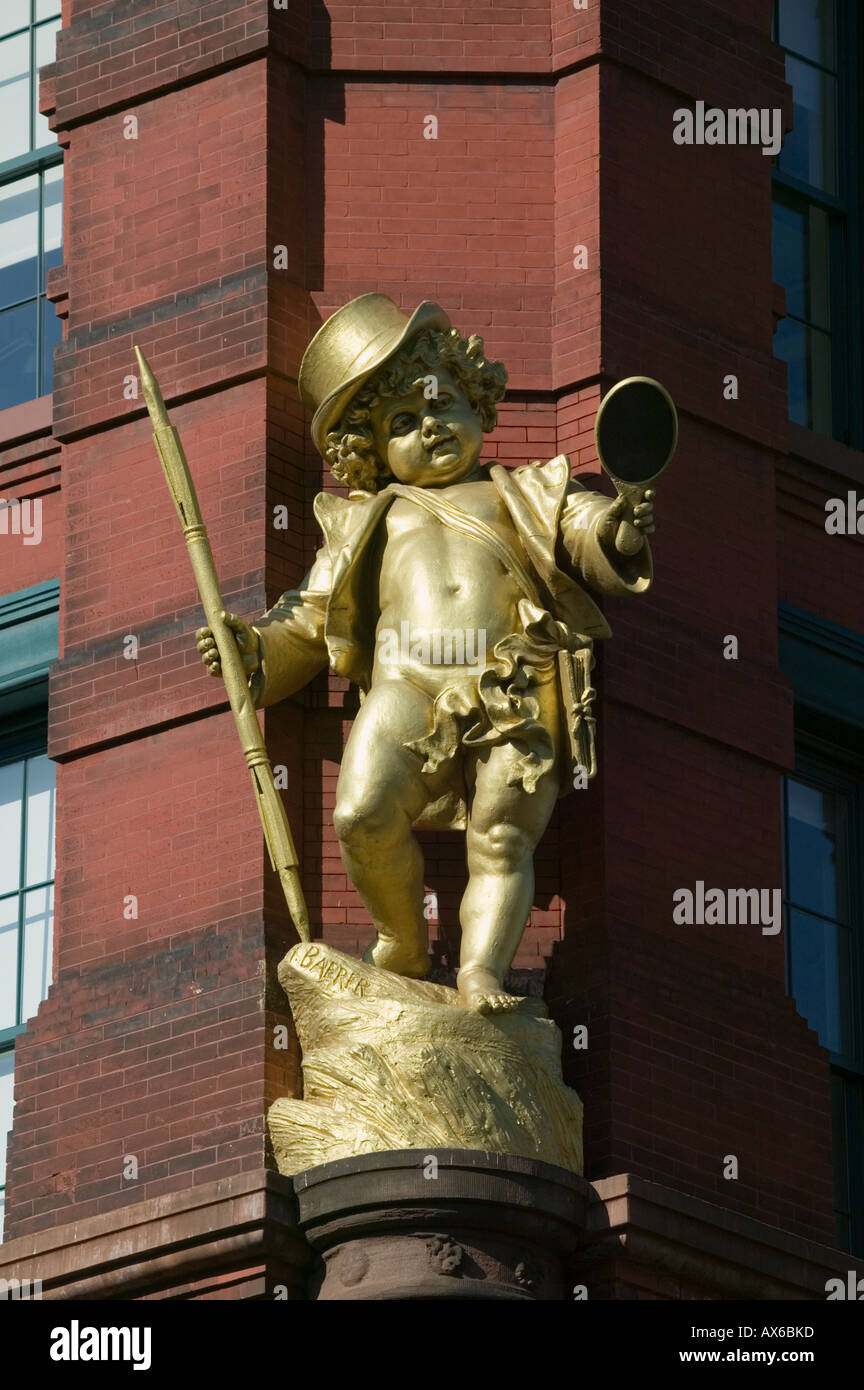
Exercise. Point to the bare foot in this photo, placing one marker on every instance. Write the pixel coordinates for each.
(390, 954)
(481, 990)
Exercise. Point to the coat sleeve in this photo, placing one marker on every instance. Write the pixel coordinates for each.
(293, 649)
(600, 566)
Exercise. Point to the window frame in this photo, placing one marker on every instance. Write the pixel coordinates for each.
(34, 162)
(826, 665)
(30, 740)
(819, 764)
(845, 225)
(826, 766)
(29, 623)
(27, 739)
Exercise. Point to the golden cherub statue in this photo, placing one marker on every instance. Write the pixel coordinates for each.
(450, 591)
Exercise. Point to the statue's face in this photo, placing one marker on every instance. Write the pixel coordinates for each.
(428, 442)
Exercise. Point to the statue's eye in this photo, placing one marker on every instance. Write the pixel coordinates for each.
(402, 424)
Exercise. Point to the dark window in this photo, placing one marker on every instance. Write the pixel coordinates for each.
(817, 228)
(27, 815)
(824, 803)
(31, 193)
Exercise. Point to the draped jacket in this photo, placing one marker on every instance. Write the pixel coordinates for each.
(331, 617)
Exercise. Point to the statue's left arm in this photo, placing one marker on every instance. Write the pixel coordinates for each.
(587, 529)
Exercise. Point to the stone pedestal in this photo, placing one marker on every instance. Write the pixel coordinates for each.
(442, 1223)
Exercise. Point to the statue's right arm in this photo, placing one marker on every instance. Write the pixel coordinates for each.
(291, 634)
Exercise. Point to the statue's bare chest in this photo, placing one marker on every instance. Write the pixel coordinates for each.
(480, 500)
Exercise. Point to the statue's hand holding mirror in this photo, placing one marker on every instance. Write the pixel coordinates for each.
(636, 431)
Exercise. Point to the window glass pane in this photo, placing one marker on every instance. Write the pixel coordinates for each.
(45, 39)
(14, 96)
(19, 240)
(9, 961)
(52, 332)
(41, 781)
(810, 149)
(18, 354)
(789, 261)
(47, 9)
(14, 14)
(52, 218)
(808, 27)
(820, 410)
(6, 1088)
(11, 794)
(818, 262)
(807, 354)
(38, 943)
(816, 843)
(820, 978)
(790, 345)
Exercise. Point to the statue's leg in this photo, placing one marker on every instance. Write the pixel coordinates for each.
(379, 794)
(505, 825)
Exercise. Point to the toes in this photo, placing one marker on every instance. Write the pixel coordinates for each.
(500, 1003)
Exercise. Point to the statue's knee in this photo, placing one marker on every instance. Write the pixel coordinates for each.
(357, 820)
(347, 819)
(503, 844)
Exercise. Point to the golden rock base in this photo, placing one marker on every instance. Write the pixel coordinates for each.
(391, 1063)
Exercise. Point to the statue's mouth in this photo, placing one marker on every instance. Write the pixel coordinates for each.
(445, 446)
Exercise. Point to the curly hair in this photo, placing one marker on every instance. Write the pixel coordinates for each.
(350, 447)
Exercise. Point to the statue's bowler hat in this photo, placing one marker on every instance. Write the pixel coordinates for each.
(350, 347)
